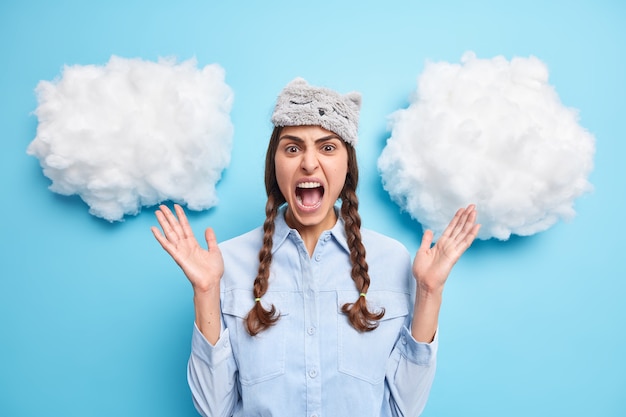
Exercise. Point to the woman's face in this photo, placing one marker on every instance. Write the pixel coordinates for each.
(311, 167)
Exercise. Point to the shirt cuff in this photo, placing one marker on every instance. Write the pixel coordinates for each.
(418, 352)
(205, 351)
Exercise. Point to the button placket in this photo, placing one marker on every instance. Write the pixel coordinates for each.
(311, 317)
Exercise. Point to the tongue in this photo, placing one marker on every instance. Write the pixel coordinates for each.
(310, 196)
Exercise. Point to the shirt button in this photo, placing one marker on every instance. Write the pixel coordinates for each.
(403, 340)
(311, 330)
(313, 373)
(318, 258)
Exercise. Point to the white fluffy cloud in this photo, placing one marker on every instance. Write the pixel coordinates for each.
(134, 133)
(492, 132)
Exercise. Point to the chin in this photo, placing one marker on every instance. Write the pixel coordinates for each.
(309, 216)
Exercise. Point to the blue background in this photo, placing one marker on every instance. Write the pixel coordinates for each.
(95, 319)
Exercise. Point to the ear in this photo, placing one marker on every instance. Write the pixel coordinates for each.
(298, 81)
(355, 98)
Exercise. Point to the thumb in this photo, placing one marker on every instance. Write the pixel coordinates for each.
(427, 240)
(211, 240)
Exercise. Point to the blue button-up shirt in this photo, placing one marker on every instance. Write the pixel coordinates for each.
(312, 362)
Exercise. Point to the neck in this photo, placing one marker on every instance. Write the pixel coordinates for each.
(310, 234)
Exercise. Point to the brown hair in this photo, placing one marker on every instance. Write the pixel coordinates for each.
(360, 317)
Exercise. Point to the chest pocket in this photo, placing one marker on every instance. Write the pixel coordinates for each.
(260, 357)
(364, 355)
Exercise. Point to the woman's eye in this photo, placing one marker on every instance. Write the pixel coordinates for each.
(291, 149)
(328, 148)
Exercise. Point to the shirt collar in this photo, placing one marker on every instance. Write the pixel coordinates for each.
(282, 230)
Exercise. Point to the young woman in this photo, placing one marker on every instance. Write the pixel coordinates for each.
(311, 315)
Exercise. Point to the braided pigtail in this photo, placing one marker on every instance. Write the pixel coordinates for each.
(259, 318)
(359, 315)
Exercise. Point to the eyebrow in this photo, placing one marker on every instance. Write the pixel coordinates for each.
(298, 139)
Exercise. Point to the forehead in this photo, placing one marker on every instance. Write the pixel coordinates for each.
(306, 132)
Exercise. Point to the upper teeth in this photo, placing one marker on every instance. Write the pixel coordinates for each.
(309, 185)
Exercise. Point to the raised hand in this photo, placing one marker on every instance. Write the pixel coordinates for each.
(432, 265)
(204, 268)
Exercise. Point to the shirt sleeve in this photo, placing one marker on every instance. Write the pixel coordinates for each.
(410, 374)
(212, 375)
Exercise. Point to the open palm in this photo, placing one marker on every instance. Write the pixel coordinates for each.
(204, 268)
(432, 265)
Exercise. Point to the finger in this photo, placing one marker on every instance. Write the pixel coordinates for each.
(164, 216)
(452, 226)
(165, 244)
(184, 223)
(470, 221)
(469, 237)
(164, 223)
(473, 232)
(171, 226)
(156, 232)
(465, 222)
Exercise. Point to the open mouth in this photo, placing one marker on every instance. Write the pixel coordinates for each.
(309, 194)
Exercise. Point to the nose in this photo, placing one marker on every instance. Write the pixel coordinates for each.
(309, 161)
